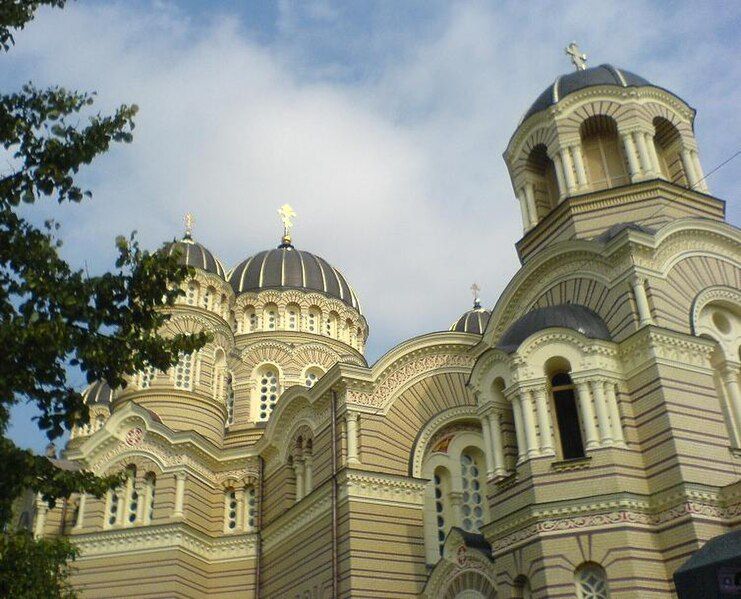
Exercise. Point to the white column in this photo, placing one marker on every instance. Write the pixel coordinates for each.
(352, 438)
(643, 156)
(630, 152)
(532, 210)
(729, 375)
(689, 167)
(568, 169)
(528, 417)
(587, 414)
(603, 417)
(41, 509)
(308, 474)
(519, 430)
(559, 175)
(495, 423)
(488, 449)
(523, 210)
(581, 172)
(298, 470)
(544, 421)
(612, 404)
(80, 512)
(179, 494)
(701, 183)
(639, 292)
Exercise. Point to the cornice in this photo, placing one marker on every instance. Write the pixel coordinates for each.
(166, 537)
(676, 349)
(385, 489)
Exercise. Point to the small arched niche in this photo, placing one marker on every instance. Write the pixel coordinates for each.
(564, 402)
(541, 172)
(603, 155)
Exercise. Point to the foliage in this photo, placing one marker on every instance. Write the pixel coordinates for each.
(31, 569)
(55, 319)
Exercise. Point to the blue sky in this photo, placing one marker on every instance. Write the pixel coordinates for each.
(382, 123)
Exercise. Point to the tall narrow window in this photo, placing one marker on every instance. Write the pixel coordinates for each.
(230, 510)
(591, 582)
(251, 508)
(270, 317)
(312, 376)
(567, 416)
(441, 493)
(312, 320)
(146, 377)
(113, 501)
(184, 371)
(207, 299)
(472, 502)
(132, 507)
(191, 294)
(293, 314)
(229, 400)
(151, 487)
(604, 159)
(268, 392)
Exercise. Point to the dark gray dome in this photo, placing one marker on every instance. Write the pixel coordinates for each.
(288, 268)
(604, 74)
(98, 393)
(473, 321)
(194, 254)
(569, 316)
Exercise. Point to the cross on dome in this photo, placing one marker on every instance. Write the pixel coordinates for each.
(578, 59)
(475, 290)
(287, 214)
(188, 225)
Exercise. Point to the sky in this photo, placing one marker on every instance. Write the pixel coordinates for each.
(382, 123)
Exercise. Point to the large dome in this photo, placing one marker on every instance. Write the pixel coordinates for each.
(288, 268)
(194, 254)
(472, 321)
(604, 74)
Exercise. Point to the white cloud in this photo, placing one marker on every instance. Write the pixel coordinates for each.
(397, 178)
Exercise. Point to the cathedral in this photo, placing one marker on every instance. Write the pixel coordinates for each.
(579, 438)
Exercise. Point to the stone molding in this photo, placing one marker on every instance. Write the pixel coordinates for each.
(386, 489)
(711, 294)
(653, 344)
(163, 537)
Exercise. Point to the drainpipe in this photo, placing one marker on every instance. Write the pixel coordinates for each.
(335, 568)
(258, 539)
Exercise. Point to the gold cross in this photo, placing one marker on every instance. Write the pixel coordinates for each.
(286, 214)
(188, 224)
(578, 59)
(475, 290)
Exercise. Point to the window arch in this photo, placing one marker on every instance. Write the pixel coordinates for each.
(567, 415)
(267, 391)
(603, 156)
(668, 144)
(590, 580)
(541, 172)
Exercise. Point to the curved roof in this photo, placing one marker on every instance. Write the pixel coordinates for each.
(288, 268)
(569, 316)
(98, 393)
(604, 74)
(472, 321)
(192, 253)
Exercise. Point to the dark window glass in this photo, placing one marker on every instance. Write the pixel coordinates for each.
(567, 416)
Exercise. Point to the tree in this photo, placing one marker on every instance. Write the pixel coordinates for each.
(54, 319)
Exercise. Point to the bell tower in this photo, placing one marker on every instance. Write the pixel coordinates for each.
(602, 148)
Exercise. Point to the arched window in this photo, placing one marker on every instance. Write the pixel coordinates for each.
(268, 390)
(207, 299)
(590, 580)
(441, 480)
(312, 375)
(231, 510)
(146, 377)
(191, 293)
(567, 416)
(113, 508)
(541, 173)
(249, 320)
(184, 371)
(150, 481)
(330, 324)
(603, 155)
(132, 496)
(522, 588)
(270, 317)
(229, 399)
(293, 317)
(312, 319)
(668, 145)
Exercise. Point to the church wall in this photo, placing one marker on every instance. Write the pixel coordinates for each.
(278, 493)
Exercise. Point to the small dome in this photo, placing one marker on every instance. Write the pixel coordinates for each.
(472, 321)
(194, 254)
(98, 393)
(288, 268)
(569, 316)
(604, 74)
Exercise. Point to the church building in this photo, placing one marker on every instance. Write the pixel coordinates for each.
(579, 438)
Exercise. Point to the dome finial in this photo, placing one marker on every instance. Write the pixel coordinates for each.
(578, 59)
(188, 225)
(286, 214)
(476, 300)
